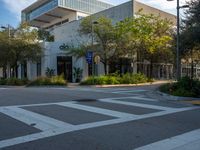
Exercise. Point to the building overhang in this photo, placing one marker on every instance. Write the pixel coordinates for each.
(55, 16)
(35, 5)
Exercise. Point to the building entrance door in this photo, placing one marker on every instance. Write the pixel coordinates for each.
(64, 67)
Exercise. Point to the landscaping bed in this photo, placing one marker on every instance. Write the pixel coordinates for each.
(41, 81)
(13, 82)
(116, 79)
(185, 87)
(49, 81)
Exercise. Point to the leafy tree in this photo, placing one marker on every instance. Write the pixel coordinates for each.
(4, 50)
(103, 32)
(45, 35)
(192, 22)
(148, 36)
(127, 39)
(23, 46)
(190, 33)
(155, 38)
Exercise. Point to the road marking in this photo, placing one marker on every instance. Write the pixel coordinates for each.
(107, 90)
(137, 104)
(62, 130)
(143, 98)
(129, 91)
(29, 105)
(98, 110)
(41, 122)
(136, 97)
(146, 99)
(46, 104)
(177, 142)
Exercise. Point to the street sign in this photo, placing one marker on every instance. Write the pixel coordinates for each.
(89, 56)
(97, 59)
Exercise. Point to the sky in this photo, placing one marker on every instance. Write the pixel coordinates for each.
(10, 10)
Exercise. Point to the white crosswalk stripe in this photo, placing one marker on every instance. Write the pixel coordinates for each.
(179, 142)
(41, 122)
(98, 110)
(137, 104)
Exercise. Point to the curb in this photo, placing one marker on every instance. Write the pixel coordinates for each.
(129, 85)
(194, 102)
(176, 98)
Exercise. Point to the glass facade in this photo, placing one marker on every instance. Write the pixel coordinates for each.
(86, 6)
(41, 10)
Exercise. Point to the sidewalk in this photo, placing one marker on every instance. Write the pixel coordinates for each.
(121, 85)
(133, 85)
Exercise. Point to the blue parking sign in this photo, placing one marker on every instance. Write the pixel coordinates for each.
(89, 56)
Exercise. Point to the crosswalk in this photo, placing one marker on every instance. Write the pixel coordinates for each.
(51, 126)
(126, 91)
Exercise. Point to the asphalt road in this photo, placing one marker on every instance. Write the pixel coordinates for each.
(84, 118)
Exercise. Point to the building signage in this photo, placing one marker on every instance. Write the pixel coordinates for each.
(89, 56)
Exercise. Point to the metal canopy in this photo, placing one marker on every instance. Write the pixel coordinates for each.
(52, 17)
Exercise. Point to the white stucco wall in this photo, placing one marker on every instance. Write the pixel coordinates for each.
(68, 33)
(1, 72)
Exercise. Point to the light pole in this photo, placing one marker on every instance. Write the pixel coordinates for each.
(8, 27)
(178, 60)
(93, 64)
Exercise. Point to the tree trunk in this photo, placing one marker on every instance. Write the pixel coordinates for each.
(105, 67)
(4, 72)
(16, 70)
(151, 68)
(192, 69)
(105, 61)
(192, 65)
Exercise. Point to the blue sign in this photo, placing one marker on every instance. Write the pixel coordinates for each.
(89, 56)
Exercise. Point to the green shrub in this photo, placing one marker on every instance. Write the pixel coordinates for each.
(13, 82)
(115, 79)
(47, 81)
(183, 92)
(133, 78)
(185, 87)
(101, 80)
(2, 81)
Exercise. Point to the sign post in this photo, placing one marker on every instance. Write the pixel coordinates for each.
(89, 59)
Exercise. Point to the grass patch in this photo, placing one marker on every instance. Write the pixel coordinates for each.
(185, 87)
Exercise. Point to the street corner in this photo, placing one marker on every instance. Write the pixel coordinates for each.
(193, 102)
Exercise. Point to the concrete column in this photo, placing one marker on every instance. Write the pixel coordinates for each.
(19, 71)
(8, 71)
(158, 71)
(29, 71)
(163, 75)
(1, 72)
(167, 71)
(135, 67)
